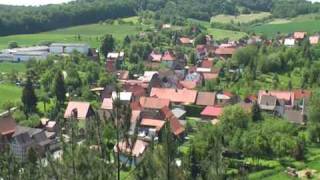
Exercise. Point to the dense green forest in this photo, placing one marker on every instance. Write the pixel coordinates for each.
(18, 20)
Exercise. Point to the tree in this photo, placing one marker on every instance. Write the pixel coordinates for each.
(108, 44)
(59, 88)
(200, 39)
(44, 98)
(314, 117)
(256, 112)
(192, 58)
(12, 45)
(126, 41)
(29, 98)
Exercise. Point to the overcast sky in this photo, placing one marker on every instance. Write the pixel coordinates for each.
(32, 2)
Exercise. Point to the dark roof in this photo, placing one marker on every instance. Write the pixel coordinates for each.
(23, 138)
(7, 125)
(107, 92)
(294, 116)
(268, 100)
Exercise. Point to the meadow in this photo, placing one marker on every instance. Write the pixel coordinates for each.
(243, 18)
(10, 93)
(6, 67)
(90, 34)
(309, 23)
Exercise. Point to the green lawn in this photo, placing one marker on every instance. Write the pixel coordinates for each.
(9, 93)
(91, 34)
(243, 18)
(6, 67)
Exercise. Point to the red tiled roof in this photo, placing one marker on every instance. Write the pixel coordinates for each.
(7, 125)
(158, 124)
(299, 35)
(168, 56)
(156, 57)
(136, 90)
(212, 111)
(188, 84)
(300, 94)
(175, 125)
(81, 107)
(135, 105)
(225, 51)
(153, 103)
(110, 66)
(206, 98)
(136, 150)
(123, 75)
(175, 95)
(206, 64)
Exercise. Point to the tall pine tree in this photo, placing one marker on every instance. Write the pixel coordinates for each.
(59, 89)
(29, 98)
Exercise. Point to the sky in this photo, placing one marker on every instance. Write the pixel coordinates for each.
(32, 2)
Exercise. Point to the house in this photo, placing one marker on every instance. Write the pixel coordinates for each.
(175, 126)
(114, 61)
(301, 97)
(122, 75)
(285, 98)
(299, 35)
(268, 102)
(194, 76)
(68, 48)
(289, 42)
(147, 76)
(314, 40)
(178, 96)
(136, 90)
(153, 103)
(185, 41)
(225, 98)
(179, 113)
(107, 92)
(205, 66)
(254, 40)
(150, 128)
(169, 79)
(295, 116)
(78, 110)
(155, 57)
(206, 99)
(201, 51)
(168, 59)
(123, 96)
(188, 84)
(115, 56)
(20, 145)
(131, 153)
(225, 52)
(166, 26)
(106, 108)
(27, 56)
(212, 112)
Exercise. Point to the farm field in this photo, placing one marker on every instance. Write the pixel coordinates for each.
(6, 67)
(220, 34)
(309, 23)
(9, 93)
(88, 33)
(243, 18)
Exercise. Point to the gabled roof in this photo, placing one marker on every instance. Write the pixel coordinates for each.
(168, 56)
(206, 98)
(289, 42)
(185, 40)
(156, 57)
(82, 109)
(135, 89)
(175, 95)
(299, 35)
(294, 116)
(225, 51)
(153, 103)
(175, 125)
(123, 75)
(188, 84)
(107, 104)
(280, 95)
(206, 64)
(157, 124)
(267, 102)
(136, 150)
(300, 94)
(210, 75)
(314, 40)
(212, 111)
(7, 125)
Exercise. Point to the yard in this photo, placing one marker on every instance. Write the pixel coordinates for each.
(9, 93)
(243, 18)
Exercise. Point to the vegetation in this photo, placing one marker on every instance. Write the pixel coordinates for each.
(242, 18)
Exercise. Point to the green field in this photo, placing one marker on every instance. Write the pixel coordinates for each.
(243, 18)
(9, 93)
(6, 67)
(88, 33)
(220, 34)
(269, 30)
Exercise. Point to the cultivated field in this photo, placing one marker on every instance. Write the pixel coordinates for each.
(220, 34)
(243, 18)
(88, 33)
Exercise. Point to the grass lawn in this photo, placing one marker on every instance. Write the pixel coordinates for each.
(219, 34)
(9, 93)
(243, 18)
(6, 67)
(91, 34)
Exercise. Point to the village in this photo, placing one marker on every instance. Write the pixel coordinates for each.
(168, 92)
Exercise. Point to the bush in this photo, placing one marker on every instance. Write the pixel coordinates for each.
(193, 110)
